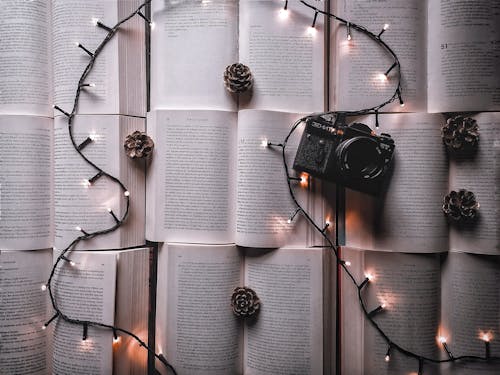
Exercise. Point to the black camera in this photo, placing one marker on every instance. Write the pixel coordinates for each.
(351, 155)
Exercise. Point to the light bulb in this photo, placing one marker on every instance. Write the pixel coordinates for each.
(386, 26)
(486, 337)
(116, 340)
(442, 339)
(152, 25)
(264, 143)
(78, 228)
(387, 358)
(72, 263)
(44, 287)
(347, 263)
(369, 276)
(126, 193)
(95, 20)
(283, 13)
(109, 209)
(311, 30)
(44, 327)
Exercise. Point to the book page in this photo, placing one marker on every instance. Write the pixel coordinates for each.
(73, 23)
(351, 327)
(23, 311)
(479, 172)
(25, 62)
(408, 215)
(131, 310)
(287, 336)
(191, 180)
(463, 55)
(470, 310)
(203, 336)
(191, 45)
(357, 78)
(285, 57)
(263, 203)
(85, 292)
(77, 203)
(409, 285)
(26, 195)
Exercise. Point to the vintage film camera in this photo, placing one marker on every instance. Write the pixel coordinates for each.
(351, 155)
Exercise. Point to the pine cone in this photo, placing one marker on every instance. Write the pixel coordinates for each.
(238, 78)
(245, 302)
(460, 205)
(138, 145)
(460, 133)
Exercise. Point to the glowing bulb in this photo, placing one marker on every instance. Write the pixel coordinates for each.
(311, 31)
(116, 340)
(289, 221)
(486, 337)
(91, 84)
(44, 287)
(109, 209)
(383, 305)
(126, 193)
(442, 339)
(264, 143)
(402, 104)
(347, 263)
(387, 358)
(93, 136)
(303, 179)
(72, 263)
(95, 20)
(152, 25)
(77, 44)
(86, 183)
(349, 37)
(382, 77)
(369, 276)
(283, 13)
(44, 327)
(78, 228)
(386, 26)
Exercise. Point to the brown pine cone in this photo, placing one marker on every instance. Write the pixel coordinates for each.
(461, 205)
(460, 133)
(245, 302)
(238, 78)
(138, 145)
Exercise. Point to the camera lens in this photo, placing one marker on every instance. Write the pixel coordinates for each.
(361, 158)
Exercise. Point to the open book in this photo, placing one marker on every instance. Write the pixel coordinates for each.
(41, 63)
(44, 186)
(425, 298)
(98, 288)
(199, 333)
(449, 52)
(236, 190)
(410, 217)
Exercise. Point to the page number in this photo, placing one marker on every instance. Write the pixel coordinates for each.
(444, 45)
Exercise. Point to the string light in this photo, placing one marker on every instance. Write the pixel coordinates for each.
(442, 340)
(79, 45)
(92, 137)
(95, 177)
(264, 143)
(85, 331)
(486, 338)
(376, 310)
(50, 320)
(61, 110)
(85, 143)
(386, 74)
(114, 216)
(388, 354)
(151, 24)
(386, 26)
(397, 95)
(290, 219)
(349, 37)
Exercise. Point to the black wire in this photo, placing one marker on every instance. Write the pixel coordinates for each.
(323, 233)
(119, 221)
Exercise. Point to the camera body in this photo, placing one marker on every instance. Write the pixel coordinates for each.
(350, 155)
